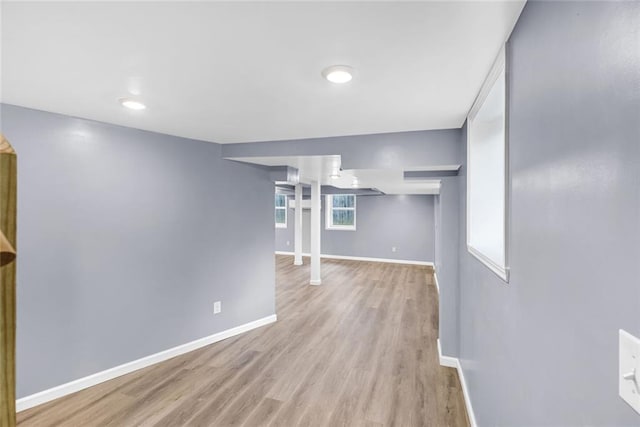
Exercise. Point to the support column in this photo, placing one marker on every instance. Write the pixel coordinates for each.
(297, 227)
(315, 233)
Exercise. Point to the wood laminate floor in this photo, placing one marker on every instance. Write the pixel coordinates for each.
(359, 350)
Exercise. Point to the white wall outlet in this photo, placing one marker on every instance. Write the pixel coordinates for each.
(288, 243)
(394, 249)
(217, 307)
(629, 370)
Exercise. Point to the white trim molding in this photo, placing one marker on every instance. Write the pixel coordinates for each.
(435, 279)
(328, 221)
(500, 267)
(454, 362)
(282, 208)
(501, 271)
(360, 258)
(449, 362)
(100, 377)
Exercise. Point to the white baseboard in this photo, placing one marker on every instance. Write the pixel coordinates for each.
(449, 362)
(454, 362)
(359, 258)
(100, 377)
(435, 279)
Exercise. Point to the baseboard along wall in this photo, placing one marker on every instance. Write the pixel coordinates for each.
(359, 258)
(454, 362)
(100, 377)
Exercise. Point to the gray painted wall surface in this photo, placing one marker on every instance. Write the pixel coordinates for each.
(126, 238)
(447, 265)
(406, 222)
(543, 350)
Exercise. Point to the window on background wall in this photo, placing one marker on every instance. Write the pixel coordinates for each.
(487, 173)
(341, 212)
(281, 211)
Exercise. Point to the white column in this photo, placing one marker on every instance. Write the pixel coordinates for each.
(297, 227)
(315, 233)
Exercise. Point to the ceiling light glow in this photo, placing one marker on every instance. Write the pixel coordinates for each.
(338, 73)
(132, 104)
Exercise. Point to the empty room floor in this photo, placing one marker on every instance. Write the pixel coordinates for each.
(359, 350)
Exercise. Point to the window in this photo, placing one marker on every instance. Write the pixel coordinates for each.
(341, 212)
(281, 211)
(487, 173)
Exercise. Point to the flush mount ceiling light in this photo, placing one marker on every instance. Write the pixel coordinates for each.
(338, 73)
(132, 104)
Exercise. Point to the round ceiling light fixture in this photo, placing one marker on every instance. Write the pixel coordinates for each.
(338, 73)
(132, 104)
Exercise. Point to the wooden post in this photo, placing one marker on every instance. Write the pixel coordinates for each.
(8, 178)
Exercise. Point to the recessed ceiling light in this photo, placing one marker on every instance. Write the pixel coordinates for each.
(338, 73)
(132, 104)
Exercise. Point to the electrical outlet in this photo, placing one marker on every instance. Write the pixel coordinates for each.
(217, 307)
(629, 369)
(288, 243)
(394, 249)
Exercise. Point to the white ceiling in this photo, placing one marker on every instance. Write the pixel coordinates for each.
(250, 71)
(320, 168)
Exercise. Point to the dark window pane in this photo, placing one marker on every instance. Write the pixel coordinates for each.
(343, 217)
(343, 200)
(280, 216)
(281, 200)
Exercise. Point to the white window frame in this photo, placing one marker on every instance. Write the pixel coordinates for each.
(497, 69)
(278, 224)
(328, 221)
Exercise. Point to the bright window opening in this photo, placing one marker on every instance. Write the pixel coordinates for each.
(341, 212)
(487, 173)
(281, 211)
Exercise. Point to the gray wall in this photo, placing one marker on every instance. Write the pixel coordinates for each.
(543, 350)
(406, 222)
(125, 239)
(447, 265)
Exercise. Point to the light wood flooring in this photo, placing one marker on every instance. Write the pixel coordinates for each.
(359, 350)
